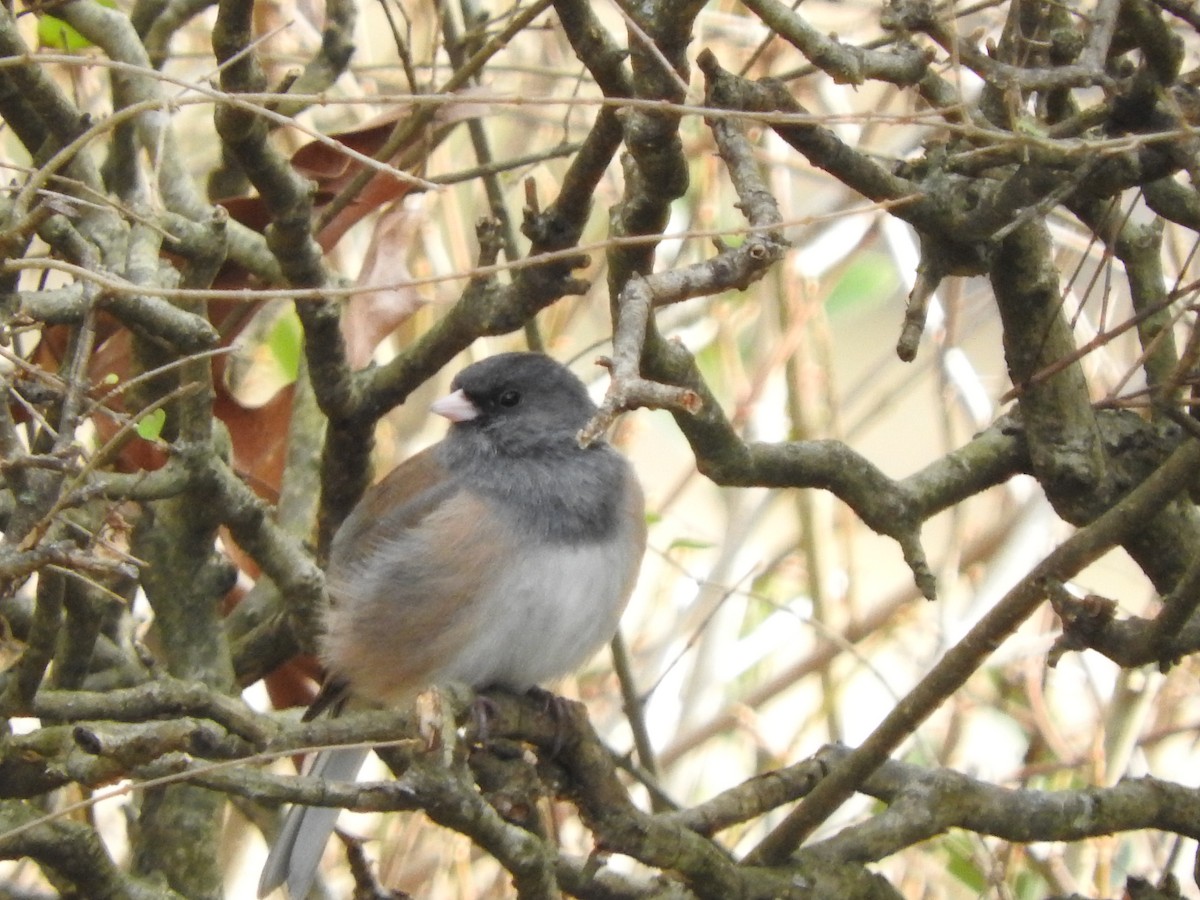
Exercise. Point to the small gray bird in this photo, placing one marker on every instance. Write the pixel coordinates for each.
(501, 556)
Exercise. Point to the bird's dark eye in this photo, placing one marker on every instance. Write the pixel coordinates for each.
(510, 398)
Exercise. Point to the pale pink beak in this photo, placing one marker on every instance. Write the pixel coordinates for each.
(456, 407)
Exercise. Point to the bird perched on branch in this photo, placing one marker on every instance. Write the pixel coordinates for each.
(502, 556)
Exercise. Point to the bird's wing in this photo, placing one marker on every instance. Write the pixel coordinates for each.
(401, 500)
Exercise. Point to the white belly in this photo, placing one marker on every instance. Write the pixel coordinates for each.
(549, 612)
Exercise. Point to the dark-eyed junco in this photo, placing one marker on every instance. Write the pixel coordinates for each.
(501, 556)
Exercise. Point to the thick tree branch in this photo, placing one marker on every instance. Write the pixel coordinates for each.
(1082, 548)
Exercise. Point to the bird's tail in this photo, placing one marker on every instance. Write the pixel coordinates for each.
(296, 854)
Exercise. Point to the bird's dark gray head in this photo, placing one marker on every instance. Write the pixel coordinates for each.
(521, 401)
(514, 439)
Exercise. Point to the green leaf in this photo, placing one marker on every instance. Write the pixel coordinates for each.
(690, 544)
(963, 866)
(150, 426)
(56, 34)
(285, 342)
(868, 281)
